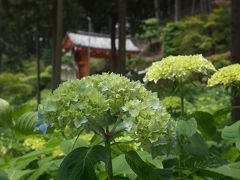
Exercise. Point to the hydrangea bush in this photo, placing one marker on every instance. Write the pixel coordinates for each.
(229, 75)
(110, 105)
(108, 97)
(178, 68)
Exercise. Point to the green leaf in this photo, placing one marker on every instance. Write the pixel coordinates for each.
(23, 161)
(67, 145)
(221, 115)
(187, 127)
(205, 123)
(79, 164)
(44, 165)
(5, 114)
(96, 139)
(3, 175)
(53, 142)
(232, 132)
(230, 170)
(231, 154)
(144, 170)
(196, 146)
(20, 110)
(26, 123)
(120, 178)
(14, 174)
(120, 166)
(170, 162)
(147, 157)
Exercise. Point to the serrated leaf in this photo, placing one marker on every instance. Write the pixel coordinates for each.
(79, 164)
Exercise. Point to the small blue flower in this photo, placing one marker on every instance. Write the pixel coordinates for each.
(40, 116)
(155, 107)
(41, 127)
(41, 123)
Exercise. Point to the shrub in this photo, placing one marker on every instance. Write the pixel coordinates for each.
(201, 33)
(13, 87)
(150, 29)
(220, 60)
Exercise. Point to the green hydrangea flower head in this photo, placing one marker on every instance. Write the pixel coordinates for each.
(152, 123)
(178, 68)
(228, 75)
(96, 97)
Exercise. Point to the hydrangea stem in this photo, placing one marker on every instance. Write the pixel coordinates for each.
(107, 140)
(182, 98)
(109, 168)
(182, 113)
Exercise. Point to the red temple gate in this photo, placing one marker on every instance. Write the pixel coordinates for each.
(86, 45)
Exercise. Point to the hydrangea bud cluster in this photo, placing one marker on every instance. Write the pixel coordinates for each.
(172, 102)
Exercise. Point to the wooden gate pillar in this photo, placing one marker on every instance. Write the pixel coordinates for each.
(82, 63)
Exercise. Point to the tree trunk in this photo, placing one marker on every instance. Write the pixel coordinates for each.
(38, 70)
(176, 10)
(169, 8)
(113, 61)
(122, 35)
(193, 7)
(205, 6)
(53, 50)
(209, 5)
(57, 42)
(157, 9)
(1, 61)
(235, 54)
(201, 6)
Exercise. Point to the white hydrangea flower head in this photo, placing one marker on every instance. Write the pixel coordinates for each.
(178, 68)
(228, 75)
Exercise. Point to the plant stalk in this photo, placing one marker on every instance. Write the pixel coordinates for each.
(182, 98)
(109, 168)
